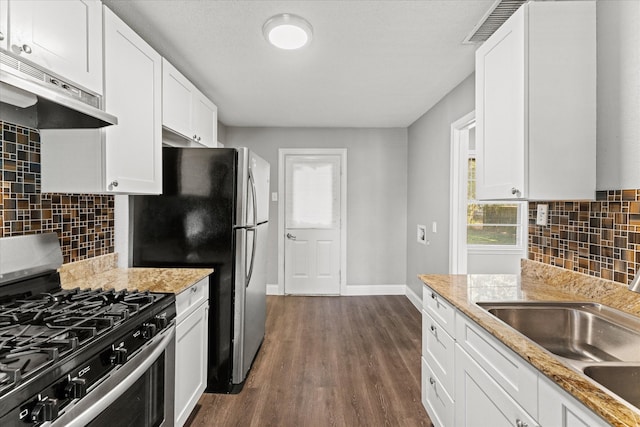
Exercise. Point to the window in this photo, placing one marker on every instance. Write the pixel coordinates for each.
(496, 224)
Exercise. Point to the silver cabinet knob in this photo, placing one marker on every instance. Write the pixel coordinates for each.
(199, 139)
(432, 381)
(195, 137)
(194, 289)
(520, 423)
(114, 183)
(291, 236)
(24, 48)
(1, 36)
(433, 329)
(514, 191)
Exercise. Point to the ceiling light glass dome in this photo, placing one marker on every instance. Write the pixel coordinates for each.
(287, 31)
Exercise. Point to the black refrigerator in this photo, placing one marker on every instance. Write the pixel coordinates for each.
(213, 212)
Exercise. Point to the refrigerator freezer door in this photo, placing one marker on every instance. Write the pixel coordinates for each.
(250, 298)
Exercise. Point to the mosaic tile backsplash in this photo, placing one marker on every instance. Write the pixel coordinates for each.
(84, 223)
(600, 238)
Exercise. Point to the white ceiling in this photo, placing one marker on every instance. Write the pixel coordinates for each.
(370, 64)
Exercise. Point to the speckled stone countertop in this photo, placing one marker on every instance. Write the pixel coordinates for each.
(541, 282)
(102, 272)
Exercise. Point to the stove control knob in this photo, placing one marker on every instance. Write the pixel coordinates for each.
(76, 388)
(119, 356)
(149, 331)
(45, 410)
(161, 321)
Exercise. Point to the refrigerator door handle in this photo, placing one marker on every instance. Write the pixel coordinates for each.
(252, 228)
(254, 199)
(253, 254)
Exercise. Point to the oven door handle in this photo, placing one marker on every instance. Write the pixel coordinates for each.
(117, 384)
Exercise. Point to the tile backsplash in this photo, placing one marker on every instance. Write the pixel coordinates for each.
(600, 238)
(84, 222)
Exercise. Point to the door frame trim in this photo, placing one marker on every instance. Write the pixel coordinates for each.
(458, 230)
(342, 152)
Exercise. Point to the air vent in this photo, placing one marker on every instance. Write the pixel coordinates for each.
(499, 12)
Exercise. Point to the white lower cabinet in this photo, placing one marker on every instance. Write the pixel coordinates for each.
(480, 401)
(191, 348)
(559, 409)
(471, 379)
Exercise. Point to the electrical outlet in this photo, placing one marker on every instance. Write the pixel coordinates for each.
(542, 214)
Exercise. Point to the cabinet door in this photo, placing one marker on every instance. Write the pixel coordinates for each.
(177, 100)
(500, 112)
(191, 362)
(559, 409)
(133, 84)
(4, 21)
(64, 37)
(480, 401)
(205, 121)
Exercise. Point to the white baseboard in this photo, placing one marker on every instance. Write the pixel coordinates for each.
(363, 290)
(273, 290)
(375, 290)
(415, 299)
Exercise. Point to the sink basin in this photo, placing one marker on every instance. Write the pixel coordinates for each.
(600, 341)
(583, 332)
(623, 380)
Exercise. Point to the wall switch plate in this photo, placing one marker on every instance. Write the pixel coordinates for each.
(542, 214)
(434, 227)
(274, 197)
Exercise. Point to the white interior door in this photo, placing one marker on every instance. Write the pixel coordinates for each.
(312, 224)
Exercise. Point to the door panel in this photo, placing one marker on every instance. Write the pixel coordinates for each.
(312, 223)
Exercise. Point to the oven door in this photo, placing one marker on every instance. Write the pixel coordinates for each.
(139, 393)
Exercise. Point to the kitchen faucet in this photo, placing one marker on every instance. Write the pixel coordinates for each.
(635, 283)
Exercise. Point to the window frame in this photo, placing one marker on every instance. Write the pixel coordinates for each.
(521, 224)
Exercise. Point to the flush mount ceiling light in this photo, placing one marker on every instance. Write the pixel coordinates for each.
(287, 31)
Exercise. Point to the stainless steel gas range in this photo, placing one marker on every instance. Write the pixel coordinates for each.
(79, 357)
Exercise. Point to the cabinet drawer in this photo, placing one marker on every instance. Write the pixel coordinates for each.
(438, 349)
(514, 375)
(435, 399)
(189, 299)
(439, 309)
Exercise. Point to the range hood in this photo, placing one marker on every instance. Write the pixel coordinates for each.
(57, 104)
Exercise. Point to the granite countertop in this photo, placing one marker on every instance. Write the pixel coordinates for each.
(102, 272)
(541, 282)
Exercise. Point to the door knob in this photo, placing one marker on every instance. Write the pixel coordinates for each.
(291, 236)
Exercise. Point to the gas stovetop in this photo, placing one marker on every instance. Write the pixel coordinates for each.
(38, 331)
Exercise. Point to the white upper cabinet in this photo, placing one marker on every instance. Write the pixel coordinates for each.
(133, 85)
(536, 105)
(125, 158)
(63, 37)
(185, 110)
(4, 24)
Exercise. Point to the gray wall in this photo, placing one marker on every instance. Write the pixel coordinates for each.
(376, 191)
(618, 125)
(428, 182)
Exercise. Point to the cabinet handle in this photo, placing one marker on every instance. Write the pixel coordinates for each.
(433, 329)
(199, 139)
(24, 48)
(195, 137)
(194, 289)
(514, 191)
(114, 183)
(432, 382)
(1, 36)
(520, 423)
(433, 295)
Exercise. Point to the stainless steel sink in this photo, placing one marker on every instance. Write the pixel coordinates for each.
(623, 380)
(585, 332)
(600, 341)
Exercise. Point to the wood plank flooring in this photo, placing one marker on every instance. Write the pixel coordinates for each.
(329, 361)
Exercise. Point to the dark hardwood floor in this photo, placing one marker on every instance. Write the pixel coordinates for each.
(329, 361)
